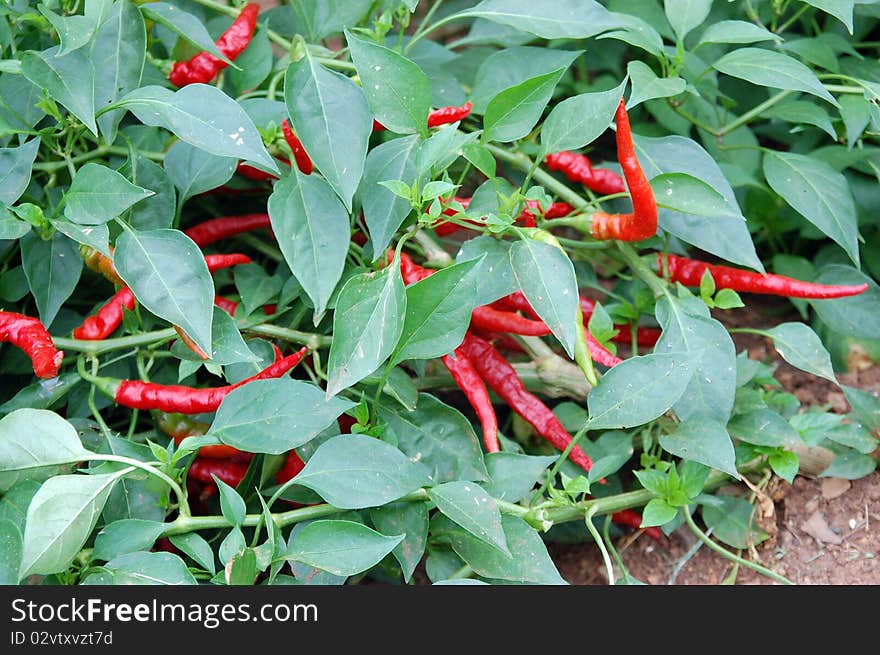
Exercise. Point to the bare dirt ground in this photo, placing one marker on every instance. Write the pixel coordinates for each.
(823, 531)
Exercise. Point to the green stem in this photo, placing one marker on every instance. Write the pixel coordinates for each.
(641, 269)
(182, 505)
(97, 153)
(790, 21)
(118, 343)
(423, 25)
(548, 479)
(549, 182)
(752, 113)
(313, 341)
(727, 554)
(440, 23)
(609, 569)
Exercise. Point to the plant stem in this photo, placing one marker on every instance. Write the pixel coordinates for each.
(313, 341)
(118, 343)
(525, 163)
(97, 153)
(609, 569)
(790, 21)
(727, 554)
(640, 268)
(435, 255)
(182, 505)
(752, 113)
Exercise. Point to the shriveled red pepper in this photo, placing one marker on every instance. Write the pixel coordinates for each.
(291, 468)
(100, 263)
(204, 67)
(179, 427)
(690, 271)
(633, 520)
(109, 317)
(30, 335)
(503, 380)
(641, 223)
(578, 168)
(303, 161)
(441, 116)
(230, 472)
(469, 381)
(137, 394)
(217, 229)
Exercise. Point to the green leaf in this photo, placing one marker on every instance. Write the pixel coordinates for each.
(367, 324)
(763, 427)
(803, 111)
(803, 349)
(410, 520)
(227, 344)
(438, 311)
(68, 79)
(573, 19)
(15, 501)
(73, 31)
(397, 91)
(320, 18)
(196, 547)
(512, 114)
(712, 357)
(157, 211)
(118, 54)
(468, 505)
(546, 276)
(511, 67)
(865, 405)
(52, 268)
(842, 10)
(275, 416)
(856, 114)
(850, 465)
(513, 476)
(354, 471)
(723, 235)
(855, 315)
(168, 275)
(637, 32)
(784, 464)
(99, 194)
(658, 512)
(10, 552)
(340, 547)
(194, 171)
(203, 116)
(15, 169)
(647, 86)
(439, 437)
(685, 15)
(638, 390)
(256, 286)
(705, 440)
(685, 194)
(528, 562)
(142, 568)
(481, 158)
(579, 120)
(183, 24)
(818, 193)
(385, 210)
(12, 228)
(242, 568)
(312, 229)
(736, 31)
(494, 275)
(126, 536)
(330, 116)
(61, 517)
(232, 506)
(772, 69)
(731, 522)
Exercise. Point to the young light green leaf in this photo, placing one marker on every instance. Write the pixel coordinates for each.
(99, 194)
(142, 568)
(546, 276)
(61, 517)
(341, 547)
(468, 505)
(397, 91)
(367, 324)
(52, 268)
(638, 390)
(685, 15)
(817, 192)
(579, 120)
(68, 79)
(512, 113)
(126, 536)
(409, 520)
(803, 349)
(636, 32)
(312, 229)
(772, 69)
(275, 416)
(194, 171)
(15, 169)
(330, 116)
(354, 471)
(647, 86)
(572, 19)
(438, 311)
(705, 440)
(168, 275)
(33, 444)
(658, 512)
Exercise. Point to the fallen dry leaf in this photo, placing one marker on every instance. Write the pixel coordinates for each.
(817, 527)
(834, 487)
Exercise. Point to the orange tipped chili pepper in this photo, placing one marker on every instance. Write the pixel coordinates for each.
(109, 317)
(30, 335)
(100, 263)
(469, 381)
(303, 161)
(690, 271)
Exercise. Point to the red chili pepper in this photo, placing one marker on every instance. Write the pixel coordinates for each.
(228, 471)
(441, 116)
(292, 466)
(137, 394)
(690, 271)
(100, 263)
(469, 381)
(503, 380)
(109, 317)
(633, 519)
(254, 173)
(490, 318)
(303, 161)
(217, 229)
(179, 427)
(217, 262)
(227, 305)
(577, 168)
(31, 336)
(500, 340)
(526, 216)
(204, 67)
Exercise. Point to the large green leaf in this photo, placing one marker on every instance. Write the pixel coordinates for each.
(126, 536)
(468, 505)
(184, 24)
(275, 416)
(194, 170)
(312, 229)
(512, 476)
(340, 547)
(737, 31)
(763, 427)
(168, 275)
(512, 114)
(819, 193)
(69, 79)
(367, 324)
(52, 268)
(332, 119)
(142, 568)
(397, 91)
(320, 18)
(840, 9)
(99, 194)
(410, 520)
(854, 316)
(803, 349)
(705, 440)
(579, 120)
(495, 277)
(15, 169)
(157, 211)
(732, 521)
(354, 471)
(573, 19)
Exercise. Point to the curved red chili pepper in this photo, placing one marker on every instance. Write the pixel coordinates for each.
(577, 168)
(204, 66)
(469, 381)
(441, 116)
(216, 229)
(30, 335)
(303, 161)
(490, 318)
(109, 317)
(217, 262)
(230, 472)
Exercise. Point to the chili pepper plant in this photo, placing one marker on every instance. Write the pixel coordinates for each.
(318, 293)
